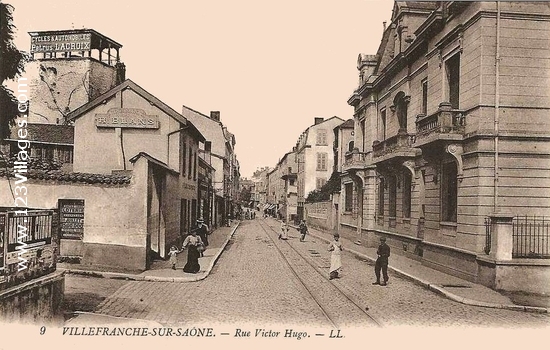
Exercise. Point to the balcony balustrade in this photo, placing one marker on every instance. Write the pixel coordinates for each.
(355, 160)
(399, 145)
(445, 124)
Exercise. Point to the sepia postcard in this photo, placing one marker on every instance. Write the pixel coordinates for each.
(273, 174)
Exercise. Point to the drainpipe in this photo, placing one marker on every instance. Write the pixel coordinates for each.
(497, 106)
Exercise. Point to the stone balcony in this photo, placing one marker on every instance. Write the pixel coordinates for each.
(398, 146)
(446, 124)
(355, 160)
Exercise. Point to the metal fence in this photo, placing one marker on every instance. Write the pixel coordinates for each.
(530, 236)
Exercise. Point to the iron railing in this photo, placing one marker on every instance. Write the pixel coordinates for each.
(530, 237)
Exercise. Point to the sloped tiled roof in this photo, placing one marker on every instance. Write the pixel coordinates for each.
(47, 133)
(60, 176)
(143, 93)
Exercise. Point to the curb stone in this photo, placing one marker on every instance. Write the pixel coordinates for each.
(439, 290)
(134, 277)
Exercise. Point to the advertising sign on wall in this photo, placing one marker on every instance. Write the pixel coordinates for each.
(61, 42)
(127, 118)
(71, 218)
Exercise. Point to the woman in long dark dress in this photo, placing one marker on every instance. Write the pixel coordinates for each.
(191, 242)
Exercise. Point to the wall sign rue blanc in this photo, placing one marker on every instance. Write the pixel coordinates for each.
(127, 118)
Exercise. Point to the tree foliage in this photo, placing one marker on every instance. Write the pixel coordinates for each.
(12, 65)
(324, 193)
(245, 195)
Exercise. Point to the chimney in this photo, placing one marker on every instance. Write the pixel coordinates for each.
(319, 120)
(384, 25)
(215, 115)
(120, 72)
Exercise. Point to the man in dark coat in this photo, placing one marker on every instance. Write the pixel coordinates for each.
(303, 230)
(202, 232)
(382, 262)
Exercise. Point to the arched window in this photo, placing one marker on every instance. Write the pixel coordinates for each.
(350, 146)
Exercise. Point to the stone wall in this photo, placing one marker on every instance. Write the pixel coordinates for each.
(38, 300)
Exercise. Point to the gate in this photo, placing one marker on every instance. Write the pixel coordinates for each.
(27, 246)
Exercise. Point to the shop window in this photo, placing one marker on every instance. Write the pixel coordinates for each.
(449, 191)
(407, 189)
(322, 137)
(381, 185)
(348, 197)
(452, 67)
(424, 96)
(322, 159)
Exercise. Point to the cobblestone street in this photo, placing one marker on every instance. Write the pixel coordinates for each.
(252, 284)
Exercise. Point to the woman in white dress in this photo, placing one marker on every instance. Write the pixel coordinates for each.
(335, 257)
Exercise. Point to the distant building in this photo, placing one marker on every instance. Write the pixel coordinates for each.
(260, 187)
(314, 158)
(221, 144)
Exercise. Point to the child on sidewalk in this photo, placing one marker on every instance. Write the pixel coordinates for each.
(173, 256)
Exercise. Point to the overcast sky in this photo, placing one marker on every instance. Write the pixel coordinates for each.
(269, 67)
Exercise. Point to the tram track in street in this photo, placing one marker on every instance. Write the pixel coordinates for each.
(326, 293)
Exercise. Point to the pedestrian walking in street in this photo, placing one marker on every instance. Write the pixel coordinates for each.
(173, 253)
(202, 232)
(284, 231)
(335, 257)
(382, 262)
(194, 245)
(303, 230)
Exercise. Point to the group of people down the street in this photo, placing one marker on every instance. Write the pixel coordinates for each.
(335, 247)
(195, 243)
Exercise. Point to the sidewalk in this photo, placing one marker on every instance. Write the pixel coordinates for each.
(161, 270)
(454, 288)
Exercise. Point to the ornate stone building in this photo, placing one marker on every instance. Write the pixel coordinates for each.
(451, 128)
